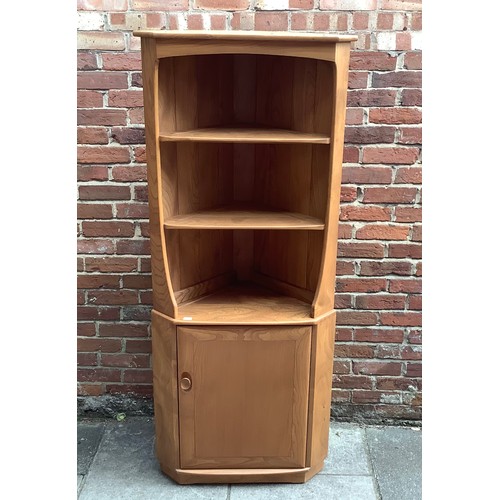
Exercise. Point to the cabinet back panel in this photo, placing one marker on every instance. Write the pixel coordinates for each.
(257, 90)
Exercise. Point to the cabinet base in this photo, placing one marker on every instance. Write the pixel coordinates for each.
(205, 476)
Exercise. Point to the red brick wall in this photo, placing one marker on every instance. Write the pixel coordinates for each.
(378, 352)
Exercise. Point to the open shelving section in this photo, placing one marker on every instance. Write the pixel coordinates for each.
(244, 136)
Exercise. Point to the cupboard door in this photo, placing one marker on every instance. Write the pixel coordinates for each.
(243, 396)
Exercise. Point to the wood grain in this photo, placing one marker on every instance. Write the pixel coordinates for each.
(247, 405)
(165, 390)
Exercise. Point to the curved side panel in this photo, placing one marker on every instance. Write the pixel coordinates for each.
(324, 298)
(163, 295)
(313, 50)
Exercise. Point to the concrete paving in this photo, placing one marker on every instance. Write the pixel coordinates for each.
(116, 460)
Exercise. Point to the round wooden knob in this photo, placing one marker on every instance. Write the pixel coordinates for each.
(186, 383)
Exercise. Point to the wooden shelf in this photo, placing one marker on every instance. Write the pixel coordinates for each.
(245, 302)
(248, 135)
(237, 218)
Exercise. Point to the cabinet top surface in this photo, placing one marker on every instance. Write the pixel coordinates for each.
(246, 35)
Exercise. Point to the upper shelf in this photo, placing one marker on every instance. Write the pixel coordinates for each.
(237, 218)
(249, 135)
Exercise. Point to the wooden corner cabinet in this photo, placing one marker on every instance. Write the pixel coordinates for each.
(244, 136)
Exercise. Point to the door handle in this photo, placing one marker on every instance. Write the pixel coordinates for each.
(186, 382)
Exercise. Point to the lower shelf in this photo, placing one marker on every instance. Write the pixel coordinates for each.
(245, 303)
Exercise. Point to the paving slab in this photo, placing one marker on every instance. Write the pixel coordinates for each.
(326, 487)
(396, 455)
(89, 436)
(125, 467)
(347, 451)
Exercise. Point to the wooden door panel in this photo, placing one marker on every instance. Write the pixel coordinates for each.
(248, 400)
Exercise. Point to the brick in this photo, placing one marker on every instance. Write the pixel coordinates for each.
(94, 211)
(343, 334)
(341, 22)
(104, 192)
(393, 195)
(100, 40)
(92, 173)
(398, 384)
(348, 193)
(113, 5)
(388, 352)
(98, 375)
(103, 154)
(137, 247)
(354, 116)
(90, 389)
(416, 233)
(88, 313)
(414, 370)
(341, 367)
(410, 135)
(378, 301)
(136, 80)
(395, 115)
(353, 351)
(405, 286)
(95, 246)
(376, 368)
(92, 135)
(301, 4)
(365, 213)
(370, 135)
(126, 360)
(390, 155)
(88, 21)
(416, 21)
(407, 318)
(80, 265)
(361, 250)
(89, 99)
(271, 4)
(138, 376)
(345, 231)
(351, 155)
(101, 80)
(108, 228)
(218, 22)
(128, 135)
(377, 268)
(418, 271)
(411, 97)
(348, 4)
(123, 330)
(400, 4)
(92, 281)
(85, 61)
(378, 335)
(382, 232)
(360, 22)
(194, 22)
(111, 264)
(222, 4)
(321, 21)
(125, 98)
(361, 285)
(101, 117)
(408, 214)
(415, 302)
(140, 154)
(385, 21)
(98, 344)
(144, 227)
(343, 301)
(132, 210)
(413, 61)
(403, 41)
(408, 79)
(366, 175)
(141, 193)
(298, 21)
(131, 389)
(129, 174)
(138, 346)
(356, 318)
(271, 21)
(405, 250)
(243, 21)
(366, 396)
(352, 382)
(415, 337)
(345, 267)
(159, 5)
(371, 98)
(411, 352)
(372, 61)
(113, 297)
(86, 329)
(86, 359)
